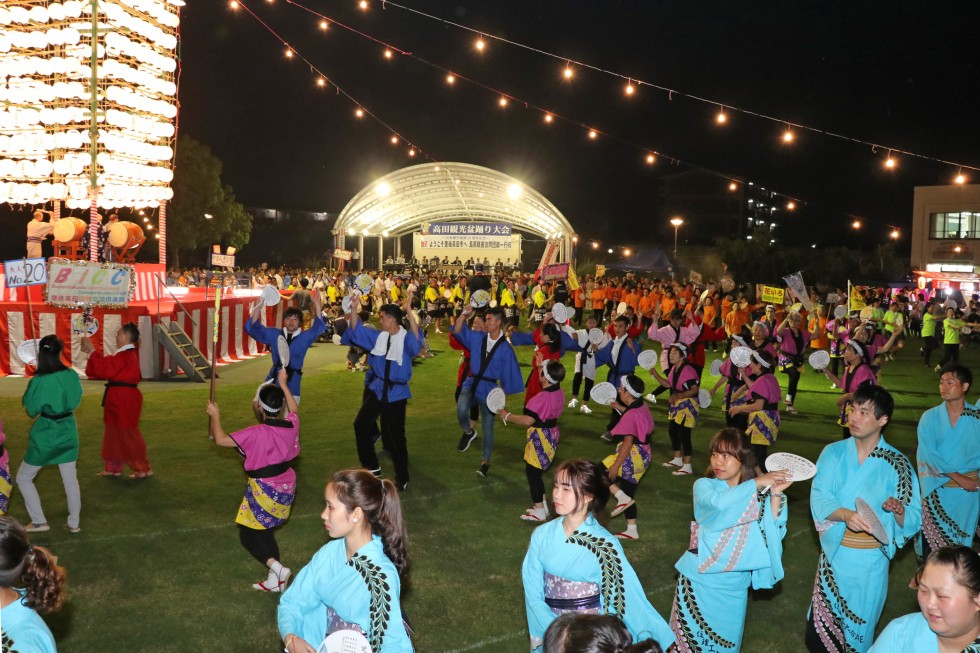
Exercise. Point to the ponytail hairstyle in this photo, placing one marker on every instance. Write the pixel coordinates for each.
(576, 632)
(736, 444)
(31, 567)
(49, 355)
(554, 336)
(378, 499)
(587, 478)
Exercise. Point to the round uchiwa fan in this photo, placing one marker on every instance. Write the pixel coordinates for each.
(595, 336)
(560, 312)
(496, 400)
(877, 528)
(364, 283)
(741, 356)
(345, 641)
(715, 368)
(800, 468)
(704, 398)
(270, 296)
(647, 358)
(283, 348)
(819, 360)
(27, 351)
(603, 393)
(840, 311)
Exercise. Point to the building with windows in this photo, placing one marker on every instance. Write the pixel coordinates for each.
(946, 237)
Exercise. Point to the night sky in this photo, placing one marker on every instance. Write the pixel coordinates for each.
(902, 74)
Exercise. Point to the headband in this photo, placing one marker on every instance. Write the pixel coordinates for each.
(759, 360)
(683, 349)
(857, 347)
(267, 408)
(739, 340)
(544, 368)
(626, 384)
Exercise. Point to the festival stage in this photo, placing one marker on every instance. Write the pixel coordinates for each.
(150, 306)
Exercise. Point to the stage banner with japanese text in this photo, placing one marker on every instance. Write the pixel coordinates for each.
(555, 271)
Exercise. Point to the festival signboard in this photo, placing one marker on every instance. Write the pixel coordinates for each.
(25, 272)
(73, 284)
(554, 271)
(343, 254)
(772, 295)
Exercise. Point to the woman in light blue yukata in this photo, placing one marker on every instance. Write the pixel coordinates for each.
(736, 542)
(575, 565)
(354, 581)
(948, 620)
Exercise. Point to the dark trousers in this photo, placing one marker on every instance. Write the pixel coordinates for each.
(392, 416)
(577, 383)
(929, 343)
(794, 381)
(535, 482)
(597, 314)
(951, 354)
(680, 438)
(761, 452)
(260, 543)
(629, 489)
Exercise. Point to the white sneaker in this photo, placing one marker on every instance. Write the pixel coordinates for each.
(573, 403)
(585, 409)
(652, 398)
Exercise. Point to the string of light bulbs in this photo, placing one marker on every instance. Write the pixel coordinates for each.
(504, 99)
(721, 117)
(323, 80)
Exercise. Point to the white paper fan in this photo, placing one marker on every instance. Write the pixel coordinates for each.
(27, 351)
(840, 312)
(270, 296)
(345, 641)
(877, 528)
(479, 298)
(715, 368)
(800, 468)
(364, 283)
(704, 398)
(603, 393)
(595, 336)
(741, 356)
(820, 359)
(283, 347)
(496, 400)
(560, 312)
(647, 359)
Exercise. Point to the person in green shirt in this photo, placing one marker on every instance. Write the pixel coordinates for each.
(894, 318)
(951, 337)
(52, 397)
(930, 320)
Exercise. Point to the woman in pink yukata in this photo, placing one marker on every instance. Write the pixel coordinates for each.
(541, 415)
(269, 449)
(632, 458)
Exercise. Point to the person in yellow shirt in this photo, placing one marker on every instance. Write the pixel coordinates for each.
(432, 296)
(508, 301)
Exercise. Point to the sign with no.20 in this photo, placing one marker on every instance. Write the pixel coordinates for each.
(25, 272)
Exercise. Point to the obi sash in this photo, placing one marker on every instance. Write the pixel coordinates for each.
(563, 595)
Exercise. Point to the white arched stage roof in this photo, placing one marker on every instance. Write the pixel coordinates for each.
(401, 201)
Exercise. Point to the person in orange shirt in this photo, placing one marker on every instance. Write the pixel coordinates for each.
(632, 298)
(687, 292)
(726, 306)
(578, 298)
(736, 320)
(598, 301)
(710, 315)
(667, 304)
(647, 304)
(818, 329)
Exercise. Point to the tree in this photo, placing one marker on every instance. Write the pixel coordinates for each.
(198, 192)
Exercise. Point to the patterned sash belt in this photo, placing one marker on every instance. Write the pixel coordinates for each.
(974, 475)
(861, 540)
(563, 595)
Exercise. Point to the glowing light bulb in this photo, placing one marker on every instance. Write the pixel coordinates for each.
(548, 118)
(960, 179)
(627, 252)
(610, 250)
(593, 134)
(387, 54)
(360, 114)
(895, 234)
(650, 159)
(502, 101)
(721, 118)
(890, 163)
(568, 72)
(790, 206)
(289, 53)
(480, 44)
(856, 224)
(788, 136)
(394, 140)
(450, 79)
(630, 88)
(595, 245)
(363, 4)
(324, 25)
(733, 186)
(233, 4)
(321, 82)
(411, 152)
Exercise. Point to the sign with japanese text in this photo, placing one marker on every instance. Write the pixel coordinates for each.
(497, 229)
(25, 272)
(343, 254)
(772, 295)
(554, 271)
(74, 284)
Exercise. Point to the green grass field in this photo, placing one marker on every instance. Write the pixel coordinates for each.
(158, 567)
